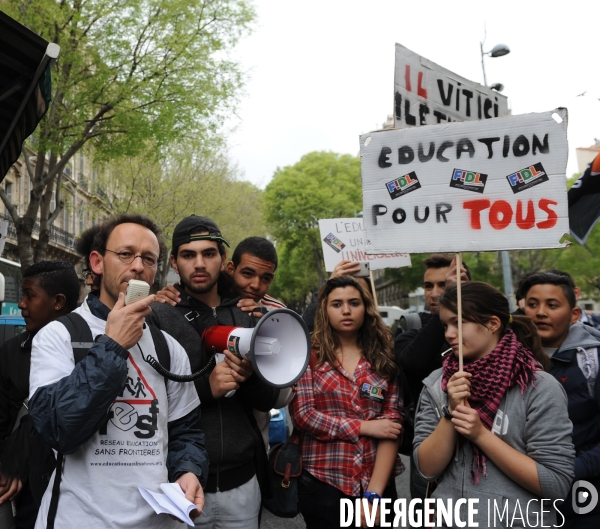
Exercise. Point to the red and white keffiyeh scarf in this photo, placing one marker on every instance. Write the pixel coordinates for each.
(508, 364)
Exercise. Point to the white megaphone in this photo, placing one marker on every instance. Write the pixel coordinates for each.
(278, 347)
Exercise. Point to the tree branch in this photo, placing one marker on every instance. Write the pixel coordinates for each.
(27, 159)
(9, 205)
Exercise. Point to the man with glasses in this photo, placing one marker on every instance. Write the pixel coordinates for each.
(113, 438)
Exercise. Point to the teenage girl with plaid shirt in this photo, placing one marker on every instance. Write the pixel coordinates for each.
(498, 430)
(347, 407)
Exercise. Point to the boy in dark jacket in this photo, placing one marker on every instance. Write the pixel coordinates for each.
(236, 451)
(50, 290)
(573, 349)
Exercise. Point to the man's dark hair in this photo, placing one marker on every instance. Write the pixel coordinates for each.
(258, 247)
(84, 245)
(565, 282)
(564, 274)
(107, 227)
(442, 260)
(438, 260)
(56, 277)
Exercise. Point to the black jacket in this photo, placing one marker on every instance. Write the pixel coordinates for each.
(418, 352)
(22, 452)
(233, 442)
(584, 409)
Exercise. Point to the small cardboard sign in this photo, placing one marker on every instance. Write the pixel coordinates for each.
(426, 93)
(345, 239)
(496, 184)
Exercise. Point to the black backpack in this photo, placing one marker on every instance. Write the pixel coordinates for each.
(82, 341)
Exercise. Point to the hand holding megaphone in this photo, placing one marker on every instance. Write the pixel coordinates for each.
(229, 372)
(278, 349)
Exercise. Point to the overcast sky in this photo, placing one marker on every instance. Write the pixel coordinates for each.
(321, 72)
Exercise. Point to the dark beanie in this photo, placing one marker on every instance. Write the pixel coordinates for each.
(194, 225)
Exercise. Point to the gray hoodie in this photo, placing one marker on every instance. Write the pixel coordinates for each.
(535, 423)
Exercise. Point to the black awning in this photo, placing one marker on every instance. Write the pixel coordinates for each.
(25, 86)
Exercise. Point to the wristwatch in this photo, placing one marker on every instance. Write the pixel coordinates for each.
(447, 413)
(371, 496)
(101, 338)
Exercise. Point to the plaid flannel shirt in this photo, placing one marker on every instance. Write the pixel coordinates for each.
(327, 409)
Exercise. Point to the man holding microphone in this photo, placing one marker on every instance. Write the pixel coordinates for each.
(112, 439)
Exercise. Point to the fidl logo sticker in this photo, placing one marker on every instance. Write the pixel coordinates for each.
(526, 178)
(403, 185)
(334, 242)
(468, 180)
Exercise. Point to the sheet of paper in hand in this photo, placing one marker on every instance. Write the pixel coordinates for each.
(173, 501)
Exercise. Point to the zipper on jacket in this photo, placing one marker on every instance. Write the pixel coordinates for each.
(222, 445)
(214, 309)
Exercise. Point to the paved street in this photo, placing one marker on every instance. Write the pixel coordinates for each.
(270, 521)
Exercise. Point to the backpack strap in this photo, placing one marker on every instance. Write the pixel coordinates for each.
(81, 334)
(81, 342)
(161, 347)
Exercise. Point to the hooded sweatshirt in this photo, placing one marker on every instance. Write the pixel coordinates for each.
(536, 424)
(573, 362)
(233, 441)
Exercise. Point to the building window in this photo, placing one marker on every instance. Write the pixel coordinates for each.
(81, 217)
(66, 215)
(8, 188)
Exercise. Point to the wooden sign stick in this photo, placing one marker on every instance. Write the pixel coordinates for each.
(459, 309)
(373, 288)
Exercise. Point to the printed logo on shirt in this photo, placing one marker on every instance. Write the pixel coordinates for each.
(371, 392)
(136, 408)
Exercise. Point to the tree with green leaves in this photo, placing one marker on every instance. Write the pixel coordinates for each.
(191, 177)
(129, 74)
(322, 185)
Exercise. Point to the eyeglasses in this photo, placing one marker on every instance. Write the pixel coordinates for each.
(149, 260)
(86, 272)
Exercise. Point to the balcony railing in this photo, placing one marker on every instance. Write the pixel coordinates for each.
(57, 235)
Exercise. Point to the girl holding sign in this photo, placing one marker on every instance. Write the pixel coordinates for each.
(498, 430)
(347, 407)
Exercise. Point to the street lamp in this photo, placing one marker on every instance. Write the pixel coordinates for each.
(500, 50)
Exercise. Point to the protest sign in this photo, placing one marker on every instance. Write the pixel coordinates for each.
(345, 239)
(425, 93)
(495, 184)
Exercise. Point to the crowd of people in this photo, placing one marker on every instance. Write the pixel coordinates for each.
(85, 419)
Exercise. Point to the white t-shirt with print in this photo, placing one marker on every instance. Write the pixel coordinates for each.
(99, 487)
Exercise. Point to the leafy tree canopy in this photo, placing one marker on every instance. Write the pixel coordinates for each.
(322, 185)
(128, 73)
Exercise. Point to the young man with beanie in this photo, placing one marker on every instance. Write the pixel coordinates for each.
(238, 465)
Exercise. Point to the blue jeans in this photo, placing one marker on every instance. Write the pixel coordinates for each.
(320, 502)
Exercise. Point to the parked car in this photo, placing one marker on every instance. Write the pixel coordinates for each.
(278, 431)
(390, 314)
(10, 326)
